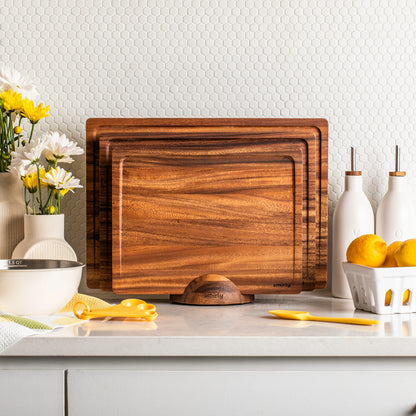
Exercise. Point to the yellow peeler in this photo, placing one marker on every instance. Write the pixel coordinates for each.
(128, 308)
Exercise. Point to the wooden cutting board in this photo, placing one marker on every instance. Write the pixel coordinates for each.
(186, 208)
(102, 134)
(111, 131)
(308, 144)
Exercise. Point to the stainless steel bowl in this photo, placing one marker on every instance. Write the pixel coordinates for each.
(37, 287)
(37, 264)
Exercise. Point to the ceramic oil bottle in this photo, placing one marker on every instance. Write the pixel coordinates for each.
(395, 219)
(353, 217)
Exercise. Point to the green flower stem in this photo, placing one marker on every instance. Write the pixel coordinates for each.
(4, 147)
(7, 140)
(40, 189)
(11, 133)
(31, 132)
(58, 198)
(48, 203)
(26, 201)
(19, 135)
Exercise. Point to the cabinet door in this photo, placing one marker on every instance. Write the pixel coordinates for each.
(32, 392)
(240, 393)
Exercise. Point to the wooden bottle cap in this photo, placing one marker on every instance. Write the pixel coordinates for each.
(353, 173)
(397, 173)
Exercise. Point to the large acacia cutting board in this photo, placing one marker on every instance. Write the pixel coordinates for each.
(103, 135)
(182, 209)
(284, 137)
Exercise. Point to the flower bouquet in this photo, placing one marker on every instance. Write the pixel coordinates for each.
(37, 165)
(16, 105)
(34, 159)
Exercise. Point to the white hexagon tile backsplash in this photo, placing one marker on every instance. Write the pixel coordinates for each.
(350, 61)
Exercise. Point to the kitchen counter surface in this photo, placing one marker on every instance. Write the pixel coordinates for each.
(238, 330)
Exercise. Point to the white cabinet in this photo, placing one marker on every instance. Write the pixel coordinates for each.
(32, 392)
(208, 386)
(207, 393)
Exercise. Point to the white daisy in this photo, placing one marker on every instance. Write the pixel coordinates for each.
(22, 168)
(28, 154)
(59, 178)
(58, 148)
(11, 79)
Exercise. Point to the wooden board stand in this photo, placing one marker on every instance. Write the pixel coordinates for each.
(212, 289)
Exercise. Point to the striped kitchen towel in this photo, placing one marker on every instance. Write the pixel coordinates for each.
(13, 328)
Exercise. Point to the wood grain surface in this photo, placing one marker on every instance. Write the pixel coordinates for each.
(182, 209)
(103, 134)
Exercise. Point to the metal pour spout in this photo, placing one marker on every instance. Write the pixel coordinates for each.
(353, 158)
(397, 159)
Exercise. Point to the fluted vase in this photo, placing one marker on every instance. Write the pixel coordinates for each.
(44, 238)
(12, 211)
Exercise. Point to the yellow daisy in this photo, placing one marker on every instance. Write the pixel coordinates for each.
(34, 114)
(12, 101)
(61, 192)
(30, 182)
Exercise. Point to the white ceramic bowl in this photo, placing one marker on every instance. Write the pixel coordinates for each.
(37, 287)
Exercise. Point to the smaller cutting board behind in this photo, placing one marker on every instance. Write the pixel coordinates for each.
(185, 208)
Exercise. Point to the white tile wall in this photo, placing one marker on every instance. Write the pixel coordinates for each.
(350, 61)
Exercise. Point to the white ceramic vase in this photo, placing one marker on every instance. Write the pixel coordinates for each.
(44, 239)
(12, 211)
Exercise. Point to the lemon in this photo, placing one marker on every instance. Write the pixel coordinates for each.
(368, 250)
(387, 298)
(405, 255)
(406, 297)
(391, 249)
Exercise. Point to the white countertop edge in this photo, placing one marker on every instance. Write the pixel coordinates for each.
(212, 346)
(235, 331)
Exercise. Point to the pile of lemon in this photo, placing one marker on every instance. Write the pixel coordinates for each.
(371, 250)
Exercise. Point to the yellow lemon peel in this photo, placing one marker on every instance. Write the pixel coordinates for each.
(367, 250)
(391, 250)
(405, 255)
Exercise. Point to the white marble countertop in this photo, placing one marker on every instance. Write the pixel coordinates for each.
(239, 330)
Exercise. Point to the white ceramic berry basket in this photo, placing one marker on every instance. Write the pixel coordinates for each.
(369, 287)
